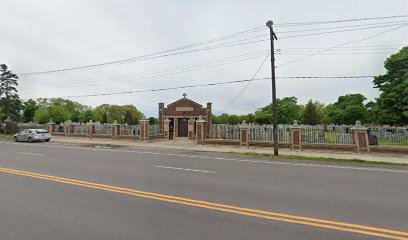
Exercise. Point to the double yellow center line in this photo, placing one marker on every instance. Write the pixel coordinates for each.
(320, 223)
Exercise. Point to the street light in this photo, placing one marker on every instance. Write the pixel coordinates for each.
(273, 37)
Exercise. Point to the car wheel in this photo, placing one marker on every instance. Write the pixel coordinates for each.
(15, 139)
(30, 140)
(47, 140)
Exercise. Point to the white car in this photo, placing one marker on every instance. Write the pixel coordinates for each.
(32, 135)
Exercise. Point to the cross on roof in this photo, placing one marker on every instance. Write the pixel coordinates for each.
(184, 94)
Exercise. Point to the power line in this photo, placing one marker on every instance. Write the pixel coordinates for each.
(246, 86)
(338, 21)
(171, 71)
(215, 84)
(340, 45)
(154, 55)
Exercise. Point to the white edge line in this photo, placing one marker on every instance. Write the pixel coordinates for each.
(28, 153)
(184, 169)
(225, 159)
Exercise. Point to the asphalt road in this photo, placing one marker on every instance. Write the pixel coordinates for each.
(309, 193)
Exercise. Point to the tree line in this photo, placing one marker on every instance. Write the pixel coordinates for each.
(391, 107)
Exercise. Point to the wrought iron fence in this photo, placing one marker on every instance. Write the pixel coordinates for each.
(22, 126)
(264, 133)
(223, 131)
(329, 135)
(129, 129)
(391, 136)
(103, 129)
(154, 130)
(80, 128)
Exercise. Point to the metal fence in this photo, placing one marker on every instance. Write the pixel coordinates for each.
(388, 136)
(154, 130)
(22, 126)
(103, 129)
(223, 131)
(80, 128)
(264, 133)
(330, 135)
(129, 129)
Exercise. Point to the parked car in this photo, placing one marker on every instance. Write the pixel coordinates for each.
(31, 135)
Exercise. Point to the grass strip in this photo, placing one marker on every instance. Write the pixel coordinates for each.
(320, 159)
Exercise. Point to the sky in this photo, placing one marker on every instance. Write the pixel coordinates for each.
(47, 35)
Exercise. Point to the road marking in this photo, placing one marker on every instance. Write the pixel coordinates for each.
(314, 222)
(376, 169)
(184, 169)
(28, 153)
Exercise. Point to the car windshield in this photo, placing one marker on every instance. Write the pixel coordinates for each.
(40, 131)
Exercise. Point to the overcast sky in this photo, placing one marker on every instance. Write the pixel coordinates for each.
(47, 35)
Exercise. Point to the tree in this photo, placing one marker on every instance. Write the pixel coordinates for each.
(58, 114)
(29, 108)
(42, 116)
(392, 105)
(348, 109)
(153, 120)
(9, 99)
(288, 111)
(310, 116)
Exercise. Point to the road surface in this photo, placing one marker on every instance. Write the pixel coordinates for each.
(69, 191)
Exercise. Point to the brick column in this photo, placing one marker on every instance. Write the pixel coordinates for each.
(68, 128)
(115, 130)
(360, 137)
(175, 128)
(90, 129)
(244, 134)
(166, 129)
(144, 130)
(51, 126)
(161, 121)
(200, 131)
(10, 127)
(191, 122)
(295, 136)
(209, 117)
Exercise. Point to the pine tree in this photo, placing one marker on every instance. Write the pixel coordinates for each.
(310, 116)
(9, 99)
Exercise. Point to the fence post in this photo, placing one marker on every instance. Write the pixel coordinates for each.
(144, 130)
(200, 131)
(191, 122)
(67, 128)
(10, 127)
(90, 129)
(244, 139)
(295, 136)
(51, 126)
(166, 129)
(115, 130)
(360, 137)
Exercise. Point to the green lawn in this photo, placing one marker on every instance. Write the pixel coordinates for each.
(6, 136)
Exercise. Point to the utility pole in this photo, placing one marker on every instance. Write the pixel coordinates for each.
(273, 37)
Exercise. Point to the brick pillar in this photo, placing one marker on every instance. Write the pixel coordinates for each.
(209, 117)
(244, 134)
(360, 137)
(295, 136)
(10, 127)
(51, 126)
(115, 130)
(90, 129)
(191, 122)
(175, 128)
(200, 131)
(144, 130)
(68, 128)
(161, 121)
(166, 129)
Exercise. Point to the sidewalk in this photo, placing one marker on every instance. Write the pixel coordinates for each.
(184, 144)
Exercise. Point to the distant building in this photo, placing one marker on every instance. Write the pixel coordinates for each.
(179, 112)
